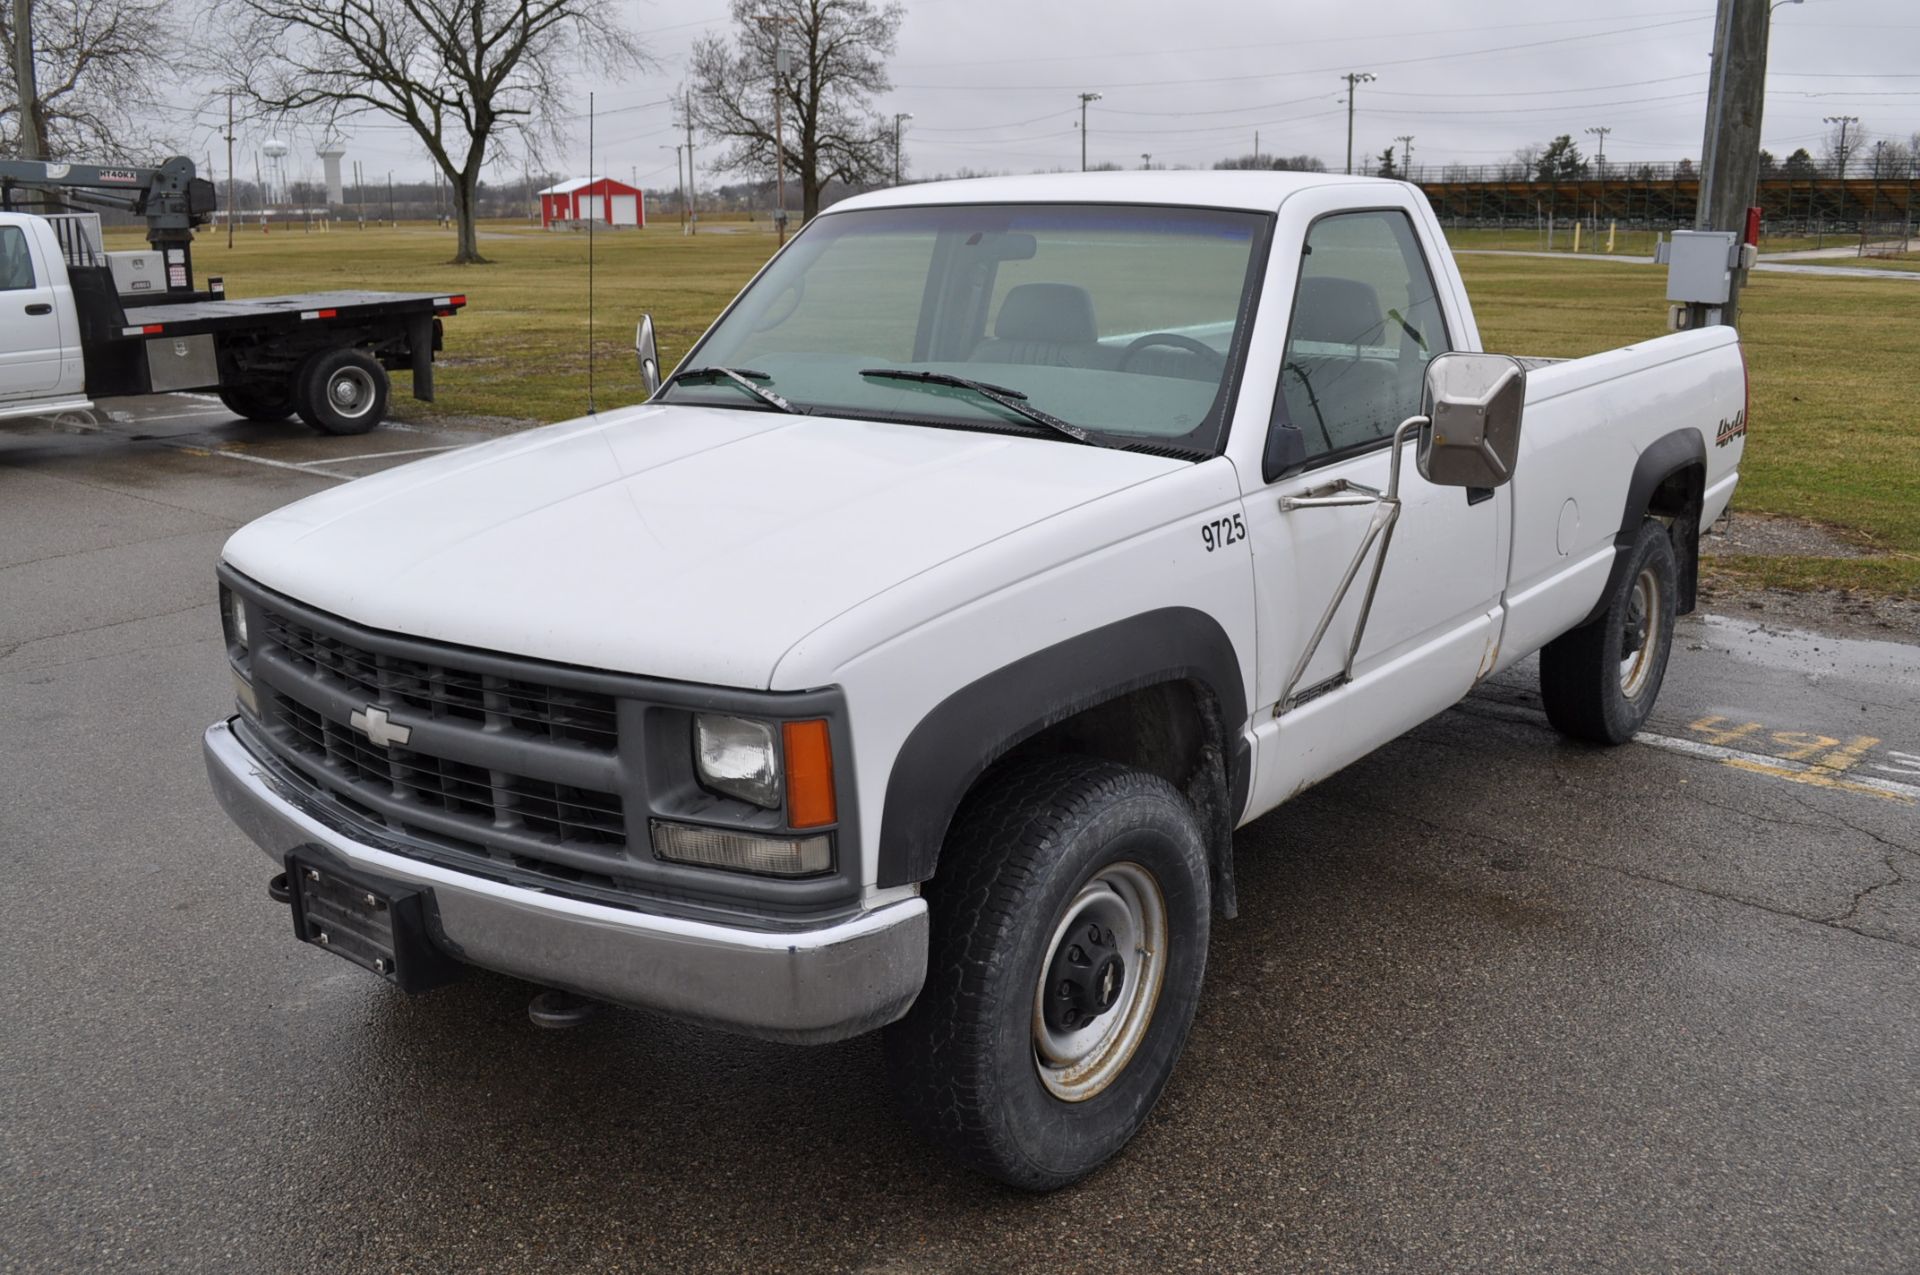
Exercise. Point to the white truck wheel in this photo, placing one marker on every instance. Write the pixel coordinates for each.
(1069, 942)
(1599, 681)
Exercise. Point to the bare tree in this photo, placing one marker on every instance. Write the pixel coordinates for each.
(1838, 151)
(838, 50)
(98, 64)
(1274, 163)
(1523, 164)
(462, 74)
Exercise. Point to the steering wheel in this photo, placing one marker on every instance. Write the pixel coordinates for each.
(1216, 360)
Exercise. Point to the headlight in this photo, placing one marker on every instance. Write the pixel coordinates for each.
(736, 756)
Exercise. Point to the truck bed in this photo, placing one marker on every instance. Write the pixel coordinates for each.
(185, 318)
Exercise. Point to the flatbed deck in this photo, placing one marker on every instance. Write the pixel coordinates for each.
(186, 317)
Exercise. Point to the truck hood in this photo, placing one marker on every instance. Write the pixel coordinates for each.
(683, 542)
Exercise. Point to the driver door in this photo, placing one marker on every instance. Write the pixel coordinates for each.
(1366, 320)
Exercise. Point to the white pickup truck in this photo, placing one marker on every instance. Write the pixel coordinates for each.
(908, 659)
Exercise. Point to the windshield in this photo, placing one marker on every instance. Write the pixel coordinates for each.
(1122, 321)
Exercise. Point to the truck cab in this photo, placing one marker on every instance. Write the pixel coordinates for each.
(40, 357)
(907, 660)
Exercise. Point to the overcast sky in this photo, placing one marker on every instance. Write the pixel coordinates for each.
(992, 84)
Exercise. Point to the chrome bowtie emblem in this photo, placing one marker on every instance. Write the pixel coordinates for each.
(383, 731)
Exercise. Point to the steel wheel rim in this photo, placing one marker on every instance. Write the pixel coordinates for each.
(350, 392)
(1640, 635)
(1080, 1063)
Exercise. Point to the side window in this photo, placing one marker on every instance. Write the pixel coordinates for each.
(1365, 323)
(16, 266)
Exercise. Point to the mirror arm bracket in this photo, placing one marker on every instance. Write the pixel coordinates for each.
(1386, 513)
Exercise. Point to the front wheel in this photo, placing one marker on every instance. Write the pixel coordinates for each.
(1599, 681)
(342, 391)
(1068, 947)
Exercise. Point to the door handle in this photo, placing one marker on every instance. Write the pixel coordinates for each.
(40, 307)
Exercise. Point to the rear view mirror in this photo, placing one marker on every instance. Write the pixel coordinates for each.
(1472, 437)
(648, 354)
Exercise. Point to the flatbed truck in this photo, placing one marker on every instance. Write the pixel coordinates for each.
(79, 324)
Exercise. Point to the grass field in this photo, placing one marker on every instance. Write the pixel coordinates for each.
(1901, 261)
(1833, 438)
(1626, 243)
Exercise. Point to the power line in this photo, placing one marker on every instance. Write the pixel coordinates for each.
(1318, 70)
(1288, 44)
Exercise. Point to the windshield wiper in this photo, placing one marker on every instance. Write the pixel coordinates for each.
(744, 378)
(1013, 400)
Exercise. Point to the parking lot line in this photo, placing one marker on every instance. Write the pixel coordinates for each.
(256, 460)
(406, 451)
(1781, 768)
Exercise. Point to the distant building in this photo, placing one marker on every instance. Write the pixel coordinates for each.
(571, 204)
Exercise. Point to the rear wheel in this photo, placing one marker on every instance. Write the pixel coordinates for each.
(1599, 681)
(342, 391)
(259, 400)
(1069, 943)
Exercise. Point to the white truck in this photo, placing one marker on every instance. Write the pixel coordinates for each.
(907, 660)
(79, 323)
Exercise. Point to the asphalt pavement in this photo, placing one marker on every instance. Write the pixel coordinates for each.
(1495, 1001)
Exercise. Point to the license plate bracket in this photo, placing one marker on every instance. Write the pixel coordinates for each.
(377, 924)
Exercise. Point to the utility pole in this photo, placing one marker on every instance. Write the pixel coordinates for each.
(1600, 150)
(1353, 78)
(898, 118)
(693, 215)
(1146, 161)
(1843, 121)
(1256, 148)
(679, 183)
(1406, 155)
(27, 89)
(1730, 151)
(232, 207)
(780, 64)
(1084, 99)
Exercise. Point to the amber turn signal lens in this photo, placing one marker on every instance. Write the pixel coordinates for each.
(809, 773)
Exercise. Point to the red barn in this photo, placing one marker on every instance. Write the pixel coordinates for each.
(571, 204)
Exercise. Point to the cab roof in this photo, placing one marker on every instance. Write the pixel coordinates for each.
(1207, 188)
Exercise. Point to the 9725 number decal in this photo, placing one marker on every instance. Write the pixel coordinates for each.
(1222, 532)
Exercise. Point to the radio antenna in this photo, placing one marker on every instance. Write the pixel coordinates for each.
(593, 216)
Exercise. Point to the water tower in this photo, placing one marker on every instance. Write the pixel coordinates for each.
(330, 156)
(276, 152)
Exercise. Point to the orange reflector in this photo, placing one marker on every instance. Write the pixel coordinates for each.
(326, 314)
(809, 773)
(456, 301)
(151, 328)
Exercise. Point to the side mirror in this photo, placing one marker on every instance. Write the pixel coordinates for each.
(648, 354)
(1472, 437)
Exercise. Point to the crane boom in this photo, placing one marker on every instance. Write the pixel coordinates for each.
(171, 198)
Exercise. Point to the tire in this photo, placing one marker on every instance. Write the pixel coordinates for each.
(259, 400)
(1599, 681)
(1037, 853)
(342, 391)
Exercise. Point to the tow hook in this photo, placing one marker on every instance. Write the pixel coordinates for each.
(557, 1010)
(278, 890)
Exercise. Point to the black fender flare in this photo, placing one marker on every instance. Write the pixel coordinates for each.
(981, 722)
(1668, 455)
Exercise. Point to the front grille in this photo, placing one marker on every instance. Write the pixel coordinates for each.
(568, 831)
(550, 712)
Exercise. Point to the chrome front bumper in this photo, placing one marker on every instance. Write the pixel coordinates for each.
(807, 985)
